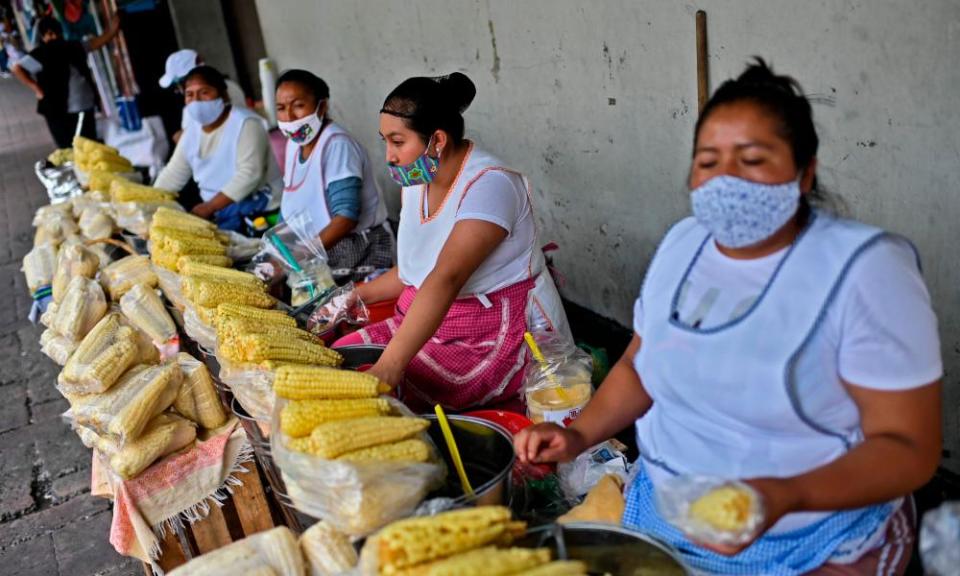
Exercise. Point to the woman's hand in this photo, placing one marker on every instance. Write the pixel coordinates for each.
(387, 373)
(202, 210)
(548, 442)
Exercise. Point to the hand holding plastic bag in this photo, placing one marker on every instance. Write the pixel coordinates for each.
(712, 510)
(342, 306)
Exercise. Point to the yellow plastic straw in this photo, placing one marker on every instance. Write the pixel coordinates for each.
(452, 447)
(538, 356)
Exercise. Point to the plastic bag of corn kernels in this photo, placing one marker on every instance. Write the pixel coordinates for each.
(356, 498)
(711, 510)
(252, 386)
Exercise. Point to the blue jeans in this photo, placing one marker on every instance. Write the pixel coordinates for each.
(231, 217)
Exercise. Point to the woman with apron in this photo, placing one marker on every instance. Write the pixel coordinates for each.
(226, 151)
(328, 176)
(778, 344)
(470, 276)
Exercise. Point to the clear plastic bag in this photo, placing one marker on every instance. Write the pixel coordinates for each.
(578, 477)
(169, 283)
(198, 399)
(241, 247)
(39, 265)
(711, 510)
(557, 389)
(163, 435)
(144, 309)
(136, 216)
(125, 273)
(252, 386)
(291, 244)
(123, 412)
(96, 223)
(273, 552)
(202, 333)
(940, 540)
(82, 307)
(56, 347)
(102, 357)
(73, 260)
(341, 306)
(312, 279)
(356, 499)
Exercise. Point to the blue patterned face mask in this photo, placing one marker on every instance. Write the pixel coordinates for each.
(742, 213)
(420, 171)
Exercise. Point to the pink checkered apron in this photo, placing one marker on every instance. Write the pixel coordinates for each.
(475, 359)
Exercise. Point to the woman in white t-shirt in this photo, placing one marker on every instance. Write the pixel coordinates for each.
(328, 177)
(470, 278)
(776, 344)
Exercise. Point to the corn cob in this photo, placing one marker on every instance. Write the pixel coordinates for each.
(96, 224)
(412, 450)
(103, 355)
(256, 348)
(144, 309)
(557, 568)
(125, 191)
(193, 245)
(316, 382)
(73, 260)
(299, 417)
(98, 180)
(204, 293)
(211, 259)
(82, 307)
(162, 233)
(488, 561)
(413, 541)
(56, 347)
(261, 315)
(232, 328)
(171, 218)
(332, 439)
(198, 399)
(164, 259)
(39, 265)
(124, 274)
(207, 315)
(271, 552)
(327, 550)
(220, 273)
(83, 144)
(163, 435)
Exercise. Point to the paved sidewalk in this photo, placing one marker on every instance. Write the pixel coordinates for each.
(49, 523)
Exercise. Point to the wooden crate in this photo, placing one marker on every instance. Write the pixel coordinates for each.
(246, 512)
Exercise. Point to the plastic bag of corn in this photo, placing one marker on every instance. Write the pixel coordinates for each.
(103, 356)
(163, 435)
(358, 495)
(252, 386)
(95, 223)
(39, 265)
(82, 307)
(56, 347)
(120, 276)
(73, 260)
(272, 552)
(198, 399)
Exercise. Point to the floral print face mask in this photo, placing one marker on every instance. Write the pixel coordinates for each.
(742, 213)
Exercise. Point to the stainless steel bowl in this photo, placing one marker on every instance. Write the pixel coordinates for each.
(608, 549)
(487, 453)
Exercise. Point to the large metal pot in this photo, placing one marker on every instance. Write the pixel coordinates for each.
(487, 453)
(607, 549)
(360, 356)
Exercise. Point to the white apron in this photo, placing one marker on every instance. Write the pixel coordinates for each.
(740, 400)
(304, 186)
(213, 172)
(420, 241)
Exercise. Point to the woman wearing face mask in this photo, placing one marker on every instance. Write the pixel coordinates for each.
(470, 275)
(328, 176)
(226, 151)
(777, 344)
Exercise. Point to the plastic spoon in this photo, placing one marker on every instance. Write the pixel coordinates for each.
(452, 448)
(538, 356)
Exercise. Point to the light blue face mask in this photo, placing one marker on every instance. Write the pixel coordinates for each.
(205, 112)
(742, 213)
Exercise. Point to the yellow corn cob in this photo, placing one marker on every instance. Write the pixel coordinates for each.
(412, 450)
(488, 561)
(163, 435)
(142, 394)
(206, 271)
(228, 328)
(558, 568)
(299, 417)
(332, 439)
(261, 315)
(198, 399)
(82, 307)
(207, 293)
(194, 245)
(171, 218)
(100, 181)
(316, 382)
(327, 550)
(105, 353)
(83, 144)
(271, 552)
(124, 191)
(259, 347)
(162, 233)
(124, 274)
(211, 259)
(207, 315)
(73, 260)
(413, 541)
(144, 309)
(164, 259)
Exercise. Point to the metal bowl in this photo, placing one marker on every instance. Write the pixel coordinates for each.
(487, 453)
(607, 549)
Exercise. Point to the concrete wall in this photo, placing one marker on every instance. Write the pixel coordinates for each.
(201, 26)
(596, 103)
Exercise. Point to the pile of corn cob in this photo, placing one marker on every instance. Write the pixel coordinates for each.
(177, 237)
(90, 155)
(122, 190)
(467, 542)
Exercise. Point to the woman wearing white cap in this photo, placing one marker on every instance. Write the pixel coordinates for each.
(178, 65)
(226, 151)
(328, 175)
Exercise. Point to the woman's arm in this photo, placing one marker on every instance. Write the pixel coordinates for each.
(387, 286)
(176, 173)
(469, 244)
(212, 206)
(24, 77)
(900, 453)
(336, 230)
(343, 202)
(619, 401)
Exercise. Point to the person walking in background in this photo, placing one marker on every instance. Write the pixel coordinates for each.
(56, 70)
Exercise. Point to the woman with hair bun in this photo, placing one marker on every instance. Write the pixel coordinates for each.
(778, 344)
(327, 175)
(471, 277)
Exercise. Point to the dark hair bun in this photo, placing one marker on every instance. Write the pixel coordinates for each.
(458, 90)
(759, 74)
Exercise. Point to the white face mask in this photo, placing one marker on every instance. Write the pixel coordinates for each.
(742, 213)
(205, 112)
(304, 130)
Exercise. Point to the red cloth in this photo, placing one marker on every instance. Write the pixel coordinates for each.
(475, 359)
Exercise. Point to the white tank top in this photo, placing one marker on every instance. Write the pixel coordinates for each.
(213, 172)
(733, 401)
(304, 184)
